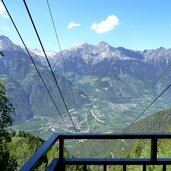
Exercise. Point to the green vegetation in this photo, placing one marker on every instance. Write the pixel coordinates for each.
(158, 122)
(137, 149)
(17, 147)
(105, 79)
(7, 161)
(23, 145)
(88, 80)
(142, 150)
(26, 91)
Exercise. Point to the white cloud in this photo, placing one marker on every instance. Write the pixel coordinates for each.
(3, 11)
(72, 25)
(107, 25)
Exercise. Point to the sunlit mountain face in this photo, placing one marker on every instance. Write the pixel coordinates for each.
(104, 87)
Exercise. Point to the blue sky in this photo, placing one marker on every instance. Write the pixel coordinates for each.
(134, 24)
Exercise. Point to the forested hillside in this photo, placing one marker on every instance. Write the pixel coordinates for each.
(142, 150)
(21, 147)
(157, 122)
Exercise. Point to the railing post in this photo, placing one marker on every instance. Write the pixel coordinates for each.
(61, 148)
(124, 167)
(85, 167)
(144, 167)
(61, 165)
(154, 150)
(164, 167)
(105, 168)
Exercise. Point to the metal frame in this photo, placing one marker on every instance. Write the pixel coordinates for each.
(60, 162)
(31, 163)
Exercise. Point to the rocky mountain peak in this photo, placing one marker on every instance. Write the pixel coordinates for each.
(4, 41)
(103, 46)
(130, 53)
(7, 44)
(157, 54)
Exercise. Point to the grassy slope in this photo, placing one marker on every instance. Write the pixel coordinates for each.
(158, 122)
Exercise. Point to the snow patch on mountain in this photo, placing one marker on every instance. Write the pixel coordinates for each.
(40, 53)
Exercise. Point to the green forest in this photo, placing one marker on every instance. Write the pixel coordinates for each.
(15, 147)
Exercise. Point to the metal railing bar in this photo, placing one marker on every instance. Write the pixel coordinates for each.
(164, 161)
(31, 163)
(164, 167)
(116, 161)
(53, 164)
(85, 167)
(105, 167)
(61, 162)
(117, 136)
(104, 161)
(61, 155)
(124, 167)
(144, 167)
(154, 149)
(61, 149)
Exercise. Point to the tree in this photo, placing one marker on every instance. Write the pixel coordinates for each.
(136, 150)
(6, 109)
(7, 162)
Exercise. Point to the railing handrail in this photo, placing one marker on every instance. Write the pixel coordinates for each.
(115, 161)
(116, 136)
(31, 163)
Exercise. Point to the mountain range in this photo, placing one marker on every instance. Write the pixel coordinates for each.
(25, 88)
(110, 86)
(109, 68)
